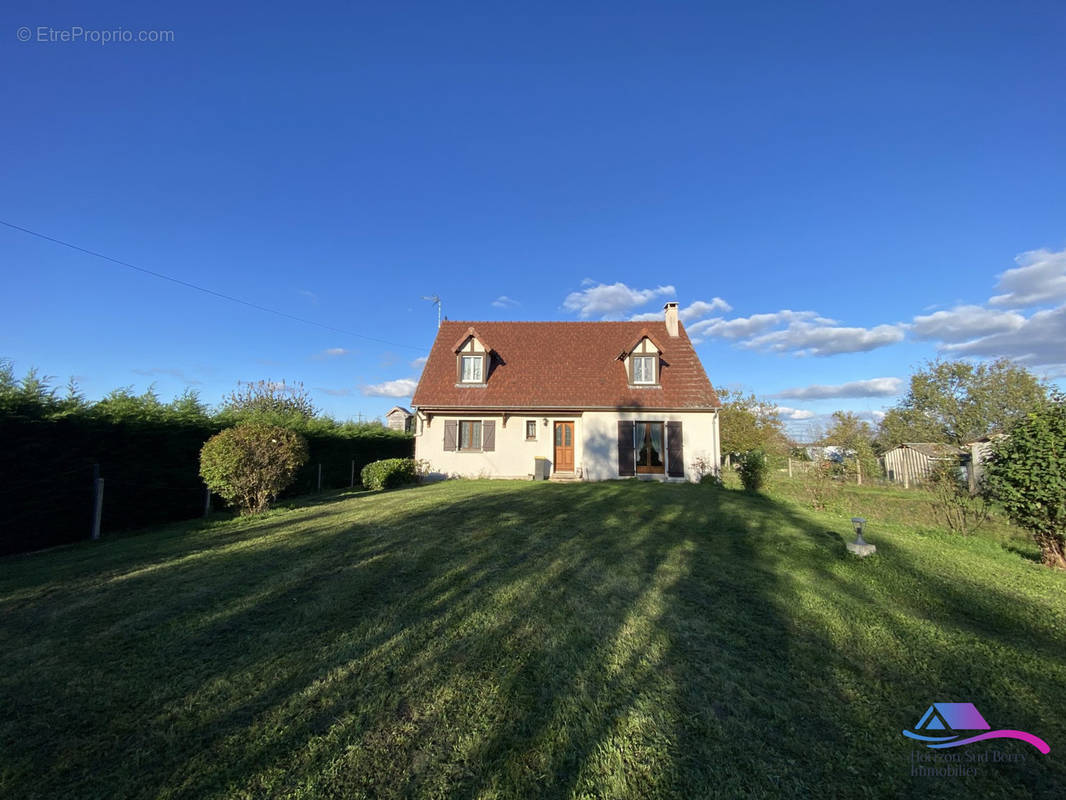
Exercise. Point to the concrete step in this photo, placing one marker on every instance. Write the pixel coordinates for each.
(565, 477)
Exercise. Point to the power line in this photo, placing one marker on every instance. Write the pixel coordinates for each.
(205, 290)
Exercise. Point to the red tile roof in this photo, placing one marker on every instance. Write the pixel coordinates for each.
(564, 365)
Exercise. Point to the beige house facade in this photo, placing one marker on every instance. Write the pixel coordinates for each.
(570, 401)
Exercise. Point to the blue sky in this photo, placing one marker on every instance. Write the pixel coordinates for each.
(843, 190)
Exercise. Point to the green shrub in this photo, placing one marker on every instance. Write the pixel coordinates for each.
(1027, 474)
(249, 464)
(953, 504)
(753, 468)
(389, 473)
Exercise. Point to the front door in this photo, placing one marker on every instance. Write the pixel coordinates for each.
(564, 447)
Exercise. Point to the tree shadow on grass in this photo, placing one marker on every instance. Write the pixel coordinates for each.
(472, 639)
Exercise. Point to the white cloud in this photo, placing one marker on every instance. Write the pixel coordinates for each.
(404, 387)
(702, 308)
(310, 295)
(743, 327)
(1039, 278)
(964, 323)
(695, 311)
(503, 301)
(804, 338)
(611, 300)
(1040, 341)
(795, 414)
(874, 387)
(800, 332)
(419, 362)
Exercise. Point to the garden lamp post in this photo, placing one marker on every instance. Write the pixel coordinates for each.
(860, 547)
(858, 522)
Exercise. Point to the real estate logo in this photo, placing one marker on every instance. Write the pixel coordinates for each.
(941, 724)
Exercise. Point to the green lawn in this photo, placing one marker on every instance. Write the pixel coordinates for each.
(503, 639)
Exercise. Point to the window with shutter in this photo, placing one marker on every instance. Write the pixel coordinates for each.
(470, 435)
(450, 435)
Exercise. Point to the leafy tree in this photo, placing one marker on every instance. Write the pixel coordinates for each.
(748, 423)
(956, 402)
(250, 464)
(856, 437)
(1027, 474)
(279, 403)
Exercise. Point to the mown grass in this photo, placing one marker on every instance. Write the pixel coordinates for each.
(497, 639)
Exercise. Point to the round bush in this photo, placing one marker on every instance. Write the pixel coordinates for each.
(388, 473)
(754, 469)
(249, 464)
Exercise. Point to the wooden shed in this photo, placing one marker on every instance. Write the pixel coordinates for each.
(911, 462)
(399, 419)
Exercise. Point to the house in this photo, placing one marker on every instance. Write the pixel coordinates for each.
(912, 462)
(589, 400)
(399, 418)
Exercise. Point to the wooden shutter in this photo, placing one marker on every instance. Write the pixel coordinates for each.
(627, 453)
(675, 457)
(451, 434)
(488, 436)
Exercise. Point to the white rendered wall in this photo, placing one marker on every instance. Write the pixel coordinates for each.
(512, 457)
(699, 439)
(595, 443)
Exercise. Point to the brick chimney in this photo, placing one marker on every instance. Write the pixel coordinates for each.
(671, 318)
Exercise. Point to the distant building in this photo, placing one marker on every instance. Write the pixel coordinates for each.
(830, 452)
(399, 419)
(912, 462)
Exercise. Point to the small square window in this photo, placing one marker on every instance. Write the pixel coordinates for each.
(471, 369)
(644, 369)
(470, 435)
(531, 430)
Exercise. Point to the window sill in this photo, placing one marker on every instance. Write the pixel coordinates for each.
(470, 385)
(645, 386)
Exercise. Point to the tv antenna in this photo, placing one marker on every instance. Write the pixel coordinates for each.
(435, 300)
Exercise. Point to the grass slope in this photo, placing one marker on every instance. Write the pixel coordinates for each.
(497, 639)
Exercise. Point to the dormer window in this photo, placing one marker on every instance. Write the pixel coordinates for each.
(643, 361)
(472, 360)
(644, 369)
(472, 368)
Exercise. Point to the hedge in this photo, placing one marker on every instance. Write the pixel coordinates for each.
(150, 472)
